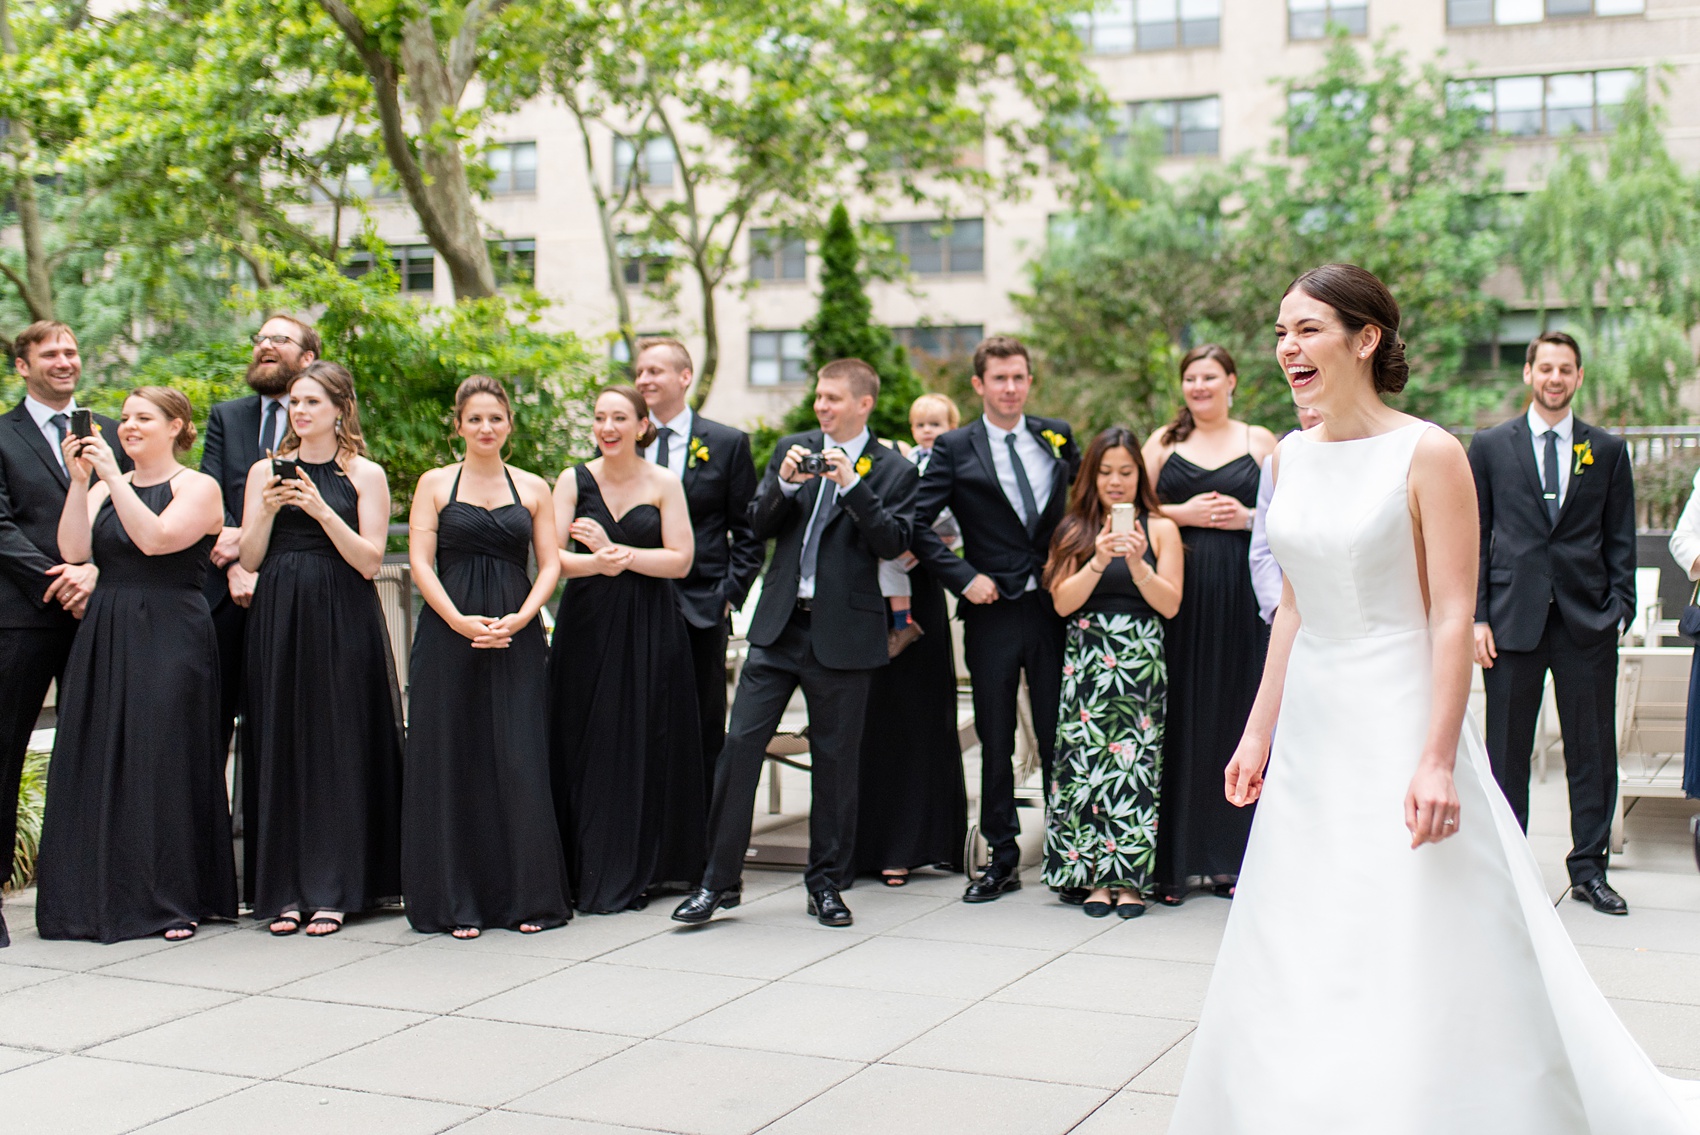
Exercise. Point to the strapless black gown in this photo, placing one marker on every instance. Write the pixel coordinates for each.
(136, 839)
(1214, 647)
(323, 716)
(625, 739)
(479, 844)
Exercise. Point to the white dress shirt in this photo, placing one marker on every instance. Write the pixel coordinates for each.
(43, 413)
(1034, 458)
(853, 450)
(1566, 430)
(675, 457)
(282, 421)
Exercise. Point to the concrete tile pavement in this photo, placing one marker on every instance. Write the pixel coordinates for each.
(1020, 1016)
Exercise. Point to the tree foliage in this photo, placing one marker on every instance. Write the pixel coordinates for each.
(1381, 166)
(775, 109)
(1615, 238)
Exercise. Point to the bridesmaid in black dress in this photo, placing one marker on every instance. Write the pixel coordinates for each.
(1206, 466)
(625, 739)
(479, 844)
(914, 805)
(323, 711)
(136, 839)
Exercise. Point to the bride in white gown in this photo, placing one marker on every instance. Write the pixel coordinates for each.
(1393, 964)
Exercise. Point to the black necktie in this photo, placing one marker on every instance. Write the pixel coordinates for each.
(1029, 505)
(60, 422)
(825, 506)
(663, 450)
(268, 432)
(1549, 476)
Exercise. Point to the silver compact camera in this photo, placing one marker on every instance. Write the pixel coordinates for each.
(815, 463)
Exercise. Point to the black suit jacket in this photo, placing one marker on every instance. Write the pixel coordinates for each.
(231, 447)
(1585, 563)
(873, 523)
(962, 478)
(32, 495)
(718, 491)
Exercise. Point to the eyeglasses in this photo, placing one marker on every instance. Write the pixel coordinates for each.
(274, 340)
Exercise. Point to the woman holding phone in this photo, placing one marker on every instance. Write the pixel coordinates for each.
(479, 843)
(323, 711)
(1114, 574)
(626, 737)
(136, 839)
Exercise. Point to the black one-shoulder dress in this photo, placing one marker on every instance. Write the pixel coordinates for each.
(1215, 646)
(136, 839)
(625, 735)
(323, 716)
(479, 844)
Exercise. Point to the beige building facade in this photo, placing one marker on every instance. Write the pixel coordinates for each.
(1207, 72)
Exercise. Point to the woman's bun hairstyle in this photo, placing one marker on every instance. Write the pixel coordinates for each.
(646, 434)
(1361, 300)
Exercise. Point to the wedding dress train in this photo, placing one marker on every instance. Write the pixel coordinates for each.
(1364, 988)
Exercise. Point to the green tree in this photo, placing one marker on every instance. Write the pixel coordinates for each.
(1382, 165)
(773, 109)
(1615, 238)
(843, 327)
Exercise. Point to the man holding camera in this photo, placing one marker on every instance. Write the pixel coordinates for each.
(838, 502)
(41, 597)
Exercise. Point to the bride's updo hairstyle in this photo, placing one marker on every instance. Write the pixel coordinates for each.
(1361, 300)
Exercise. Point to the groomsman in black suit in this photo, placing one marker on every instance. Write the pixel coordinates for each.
(820, 624)
(719, 476)
(1005, 477)
(41, 597)
(1556, 588)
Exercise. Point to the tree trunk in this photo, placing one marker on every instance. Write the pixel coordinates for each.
(435, 181)
(610, 246)
(711, 341)
(36, 286)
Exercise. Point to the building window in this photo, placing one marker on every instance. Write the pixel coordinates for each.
(654, 163)
(1532, 106)
(643, 264)
(777, 255)
(515, 262)
(778, 358)
(416, 264)
(357, 182)
(1185, 127)
(1309, 19)
(1476, 13)
(940, 248)
(934, 346)
(1120, 26)
(515, 168)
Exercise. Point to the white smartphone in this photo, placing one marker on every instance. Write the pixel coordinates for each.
(1121, 518)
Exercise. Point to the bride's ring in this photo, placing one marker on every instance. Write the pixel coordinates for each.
(1449, 823)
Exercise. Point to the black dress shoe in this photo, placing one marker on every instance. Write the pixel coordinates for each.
(1072, 896)
(828, 907)
(995, 883)
(702, 904)
(1599, 893)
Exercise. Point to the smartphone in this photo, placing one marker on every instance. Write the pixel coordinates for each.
(286, 467)
(82, 423)
(1121, 519)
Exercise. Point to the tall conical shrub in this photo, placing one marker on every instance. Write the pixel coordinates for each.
(843, 327)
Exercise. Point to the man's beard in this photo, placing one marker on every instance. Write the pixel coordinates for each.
(1563, 400)
(274, 382)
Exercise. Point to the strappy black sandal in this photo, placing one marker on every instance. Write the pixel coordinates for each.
(290, 923)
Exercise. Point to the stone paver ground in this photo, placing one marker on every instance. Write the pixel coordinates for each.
(1020, 1017)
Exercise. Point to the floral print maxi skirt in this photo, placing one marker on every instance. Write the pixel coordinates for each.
(1101, 827)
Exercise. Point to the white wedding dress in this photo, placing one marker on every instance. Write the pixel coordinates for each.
(1364, 988)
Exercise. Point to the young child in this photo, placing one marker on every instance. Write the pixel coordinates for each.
(930, 416)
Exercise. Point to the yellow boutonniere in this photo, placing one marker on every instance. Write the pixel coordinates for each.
(696, 453)
(863, 464)
(1584, 456)
(1056, 439)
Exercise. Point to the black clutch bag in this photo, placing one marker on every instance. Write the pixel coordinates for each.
(1688, 626)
